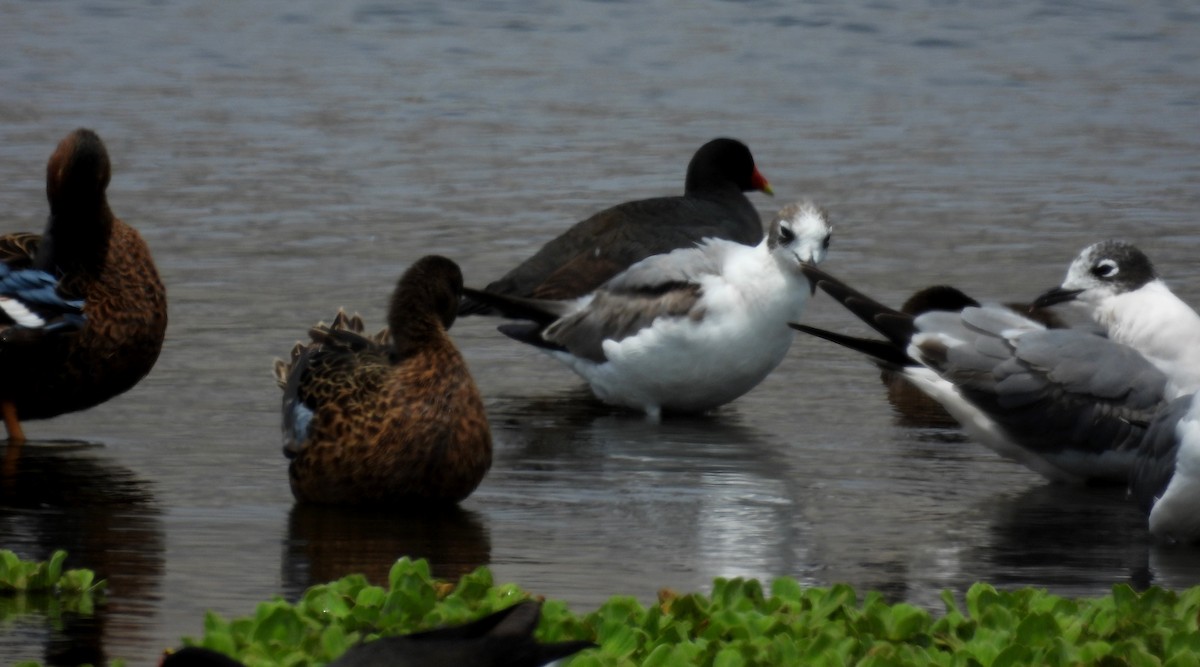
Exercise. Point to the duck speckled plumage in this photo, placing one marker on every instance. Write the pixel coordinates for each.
(392, 418)
(100, 260)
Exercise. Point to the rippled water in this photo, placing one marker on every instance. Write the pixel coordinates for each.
(287, 158)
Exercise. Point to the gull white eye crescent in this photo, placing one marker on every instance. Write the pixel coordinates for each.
(1105, 268)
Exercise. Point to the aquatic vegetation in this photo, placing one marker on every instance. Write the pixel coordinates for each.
(43, 590)
(21, 576)
(740, 624)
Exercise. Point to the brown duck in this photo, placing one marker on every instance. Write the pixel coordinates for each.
(99, 260)
(391, 418)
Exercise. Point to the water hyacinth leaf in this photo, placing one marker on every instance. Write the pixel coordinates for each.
(1183, 659)
(665, 655)
(737, 593)
(559, 624)
(784, 650)
(214, 623)
(787, 589)
(474, 586)
(618, 612)
(52, 572)
(1014, 655)
(794, 626)
(979, 598)
(408, 604)
(1037, 629)
(1133, 652)
(79, 581)
(726, 624)
(619, 640)
(1124, 598)
(1186, 640)
(729, 657)
(334, 641)
(881, 654)
(406, 570)
(370, 596)
(690, 609)
(221, 641)
(15, 574)
(905, 622)
(834, 601)
(325, 601)
(831, 646)
(278, 623)
(1189, 602)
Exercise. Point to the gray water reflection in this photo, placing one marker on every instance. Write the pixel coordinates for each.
(326, 543)
(64, 496)
(283, 159)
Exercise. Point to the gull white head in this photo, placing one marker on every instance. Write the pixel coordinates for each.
(1123, 294)
(1102, 271)
(799, 234)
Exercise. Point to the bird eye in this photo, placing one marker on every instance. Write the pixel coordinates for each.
(1105, 268)
(786, 236)
(825, 242)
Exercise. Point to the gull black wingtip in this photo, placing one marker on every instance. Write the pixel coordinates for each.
(814, 274)
(1055, 296)
(812, 283)
(541, 311)
(893, 324)
(881, 352)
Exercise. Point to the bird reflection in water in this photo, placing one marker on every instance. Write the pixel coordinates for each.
(56, 495)
(327, 543)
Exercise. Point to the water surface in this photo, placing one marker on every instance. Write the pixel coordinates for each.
(287, 158)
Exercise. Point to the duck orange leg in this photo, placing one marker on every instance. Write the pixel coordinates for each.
(15, 434)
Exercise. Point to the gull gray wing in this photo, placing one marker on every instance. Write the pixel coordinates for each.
(1156, 462)
(617, 315)
(661, 272)
(1078, 399)
(666, 285)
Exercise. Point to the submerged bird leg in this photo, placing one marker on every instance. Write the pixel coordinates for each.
(12, 453)
(15, 435)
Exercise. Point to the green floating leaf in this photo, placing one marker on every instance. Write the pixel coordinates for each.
(738, 625)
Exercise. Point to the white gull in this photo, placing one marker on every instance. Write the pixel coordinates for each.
(684, 331)
(1069, 404)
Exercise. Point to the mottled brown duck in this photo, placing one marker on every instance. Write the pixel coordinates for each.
(393, 418)
(98, 262)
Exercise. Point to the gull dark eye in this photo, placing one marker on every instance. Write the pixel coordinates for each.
(786, 236)
(825, 241)
(1105, 268)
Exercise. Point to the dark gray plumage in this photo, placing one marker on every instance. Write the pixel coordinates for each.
(1067, 403)
(1156, 464)
(1166, 479)
(594, 250)
(501, 639)
(1073, 399)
